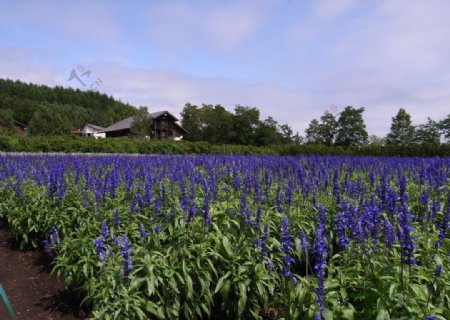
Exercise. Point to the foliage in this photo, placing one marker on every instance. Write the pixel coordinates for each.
(50, 120)
(445, 127)
(351, 128)
(402, 131)
(313, 132)
(141, 125)
(7, 122)
(71, 106)
(428, 133)
(254, 237)
(75, 144)
(323, 132)
(216, 125)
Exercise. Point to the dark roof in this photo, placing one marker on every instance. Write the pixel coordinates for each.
(98, 128)
(20, 124)
(158, 114)
(183, 129)
(127, 122)
(121, 125)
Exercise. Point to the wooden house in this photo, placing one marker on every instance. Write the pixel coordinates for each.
(163, 126)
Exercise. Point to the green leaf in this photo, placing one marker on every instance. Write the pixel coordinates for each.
(242, 298)
(220, 282)
(226, 245)
(383, 314)
(347, 314)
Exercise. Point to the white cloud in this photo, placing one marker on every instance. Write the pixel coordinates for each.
(382, 55)
(220, 26)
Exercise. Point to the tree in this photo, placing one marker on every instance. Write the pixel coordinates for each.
(402, 131)
(141, 123)
(298, 139)
(445, 127)
(191, 120)
(286, 133)
(267, 132)
(313, 132)
(428, 133)
(327, 128)
(216, 124)
(245, 124)
(351, 128)
(375, 140)
(50, 119)
(7, 122)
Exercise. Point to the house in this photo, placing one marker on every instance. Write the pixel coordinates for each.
(90, 130)
(21, 128)
(164, 126)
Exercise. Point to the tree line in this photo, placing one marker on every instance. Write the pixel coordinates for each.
(58, 110)
(216, 125)
(349, 130)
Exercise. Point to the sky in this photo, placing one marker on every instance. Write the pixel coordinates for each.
(292, 59)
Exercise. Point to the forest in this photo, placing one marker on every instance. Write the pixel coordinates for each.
(57, 110)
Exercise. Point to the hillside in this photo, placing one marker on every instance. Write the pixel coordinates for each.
(46, 110)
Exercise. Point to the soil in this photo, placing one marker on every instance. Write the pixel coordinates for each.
(34, 293)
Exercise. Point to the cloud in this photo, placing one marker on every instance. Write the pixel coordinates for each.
(163, 89)
(293, 61)
(381, 55)
(220, 26)
(15, 64)
(80, 21)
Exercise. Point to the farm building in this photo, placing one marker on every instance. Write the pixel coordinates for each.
(164, 127)
(90, 130)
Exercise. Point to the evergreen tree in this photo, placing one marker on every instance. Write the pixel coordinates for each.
(50, 120)
(444, 125)
(7, 122)
(402, 131)
(428, 133)
(351, 128)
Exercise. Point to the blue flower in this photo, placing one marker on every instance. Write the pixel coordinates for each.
(263, 242)
(270, 265)
(438, 271)
(116, 218)
(286, 247)
(47, 247)
(404, 231)
(304, 242)
(321, 252)
(125, 246)
(104, 232)
(142, 231)
(100, 248)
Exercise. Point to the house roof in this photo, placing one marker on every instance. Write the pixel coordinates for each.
(158, 114)
(20, 124)
(121, 125)
(183, 129)
(98, 128)
(127, 122)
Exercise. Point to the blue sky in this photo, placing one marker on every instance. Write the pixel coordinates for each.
(291, 59)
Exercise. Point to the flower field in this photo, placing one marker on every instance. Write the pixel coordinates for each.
(235, 237)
